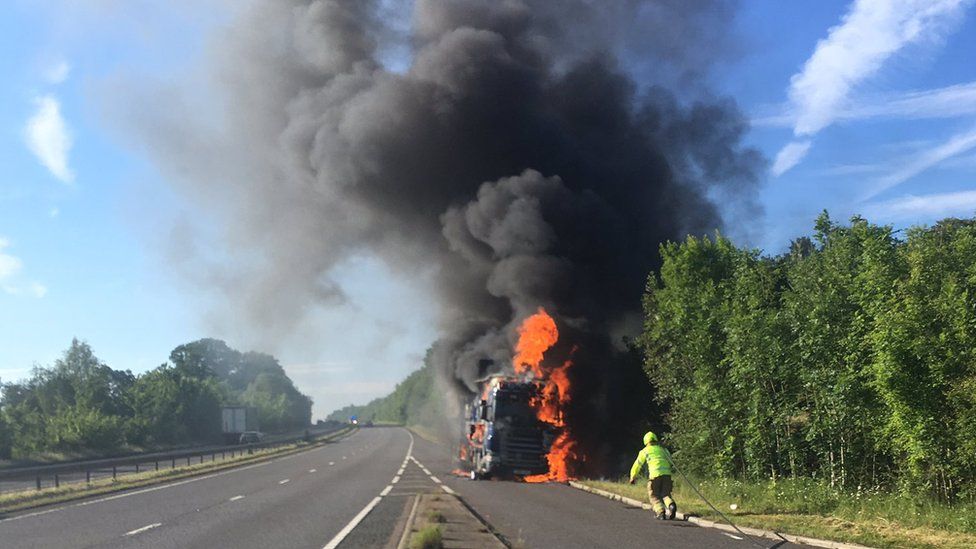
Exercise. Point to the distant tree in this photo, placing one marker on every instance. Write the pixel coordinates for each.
(206, 358)
(280, 405)
(174, 407)
(5, 435)
(77, 404)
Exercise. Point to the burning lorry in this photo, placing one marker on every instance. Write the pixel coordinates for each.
(516, 427)
(503, 435)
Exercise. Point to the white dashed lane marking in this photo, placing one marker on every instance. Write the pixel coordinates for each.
(235, 498)
(144, 528)
(334, 542)
(285, 481)
(312, 470)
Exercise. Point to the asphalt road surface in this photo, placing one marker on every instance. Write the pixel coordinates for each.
(556, 515)
(350, 493)
(156, 460)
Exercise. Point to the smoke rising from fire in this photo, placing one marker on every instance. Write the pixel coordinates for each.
(515, 159)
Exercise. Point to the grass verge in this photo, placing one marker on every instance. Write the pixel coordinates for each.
(28, 499)
(807, 508)
(428, 537)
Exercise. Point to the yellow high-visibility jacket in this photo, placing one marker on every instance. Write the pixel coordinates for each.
(657, 458)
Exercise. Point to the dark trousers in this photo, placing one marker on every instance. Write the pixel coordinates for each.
(659, 492)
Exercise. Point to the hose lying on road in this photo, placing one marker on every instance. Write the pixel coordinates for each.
(727, 519)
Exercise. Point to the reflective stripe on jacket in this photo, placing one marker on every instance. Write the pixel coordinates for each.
(656, 457)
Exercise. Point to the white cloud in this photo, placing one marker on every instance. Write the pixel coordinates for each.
(48, 137)
(948, 102)
(57, 73)
(54, 212)
(37, 289)
(790, 156)
(962, 203)
(9, 265)
(870, 33)
(10, 268)
(958, 144)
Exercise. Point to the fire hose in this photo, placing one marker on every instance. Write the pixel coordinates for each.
(727, 519)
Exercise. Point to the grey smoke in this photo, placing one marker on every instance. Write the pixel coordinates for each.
(515, 157)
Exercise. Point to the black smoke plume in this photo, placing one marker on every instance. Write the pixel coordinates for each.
(514, 155)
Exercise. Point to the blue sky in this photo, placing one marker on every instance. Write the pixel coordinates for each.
(865, 107)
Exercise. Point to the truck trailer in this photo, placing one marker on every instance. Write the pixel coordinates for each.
(236, 420)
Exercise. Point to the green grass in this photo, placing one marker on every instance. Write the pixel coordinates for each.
(428, 537)
(809, 508)
(27, 499)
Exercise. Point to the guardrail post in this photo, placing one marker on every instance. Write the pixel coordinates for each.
(114, 472)
(157, 464)
(88, 476)
(201, 458)
(38, 482)
(57, 481)
(213, 456)
(187, 461)
(137, 467)
(173, 465)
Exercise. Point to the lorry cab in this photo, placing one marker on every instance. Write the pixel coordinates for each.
(502, 435)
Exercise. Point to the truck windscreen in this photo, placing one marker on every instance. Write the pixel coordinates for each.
(512, 406)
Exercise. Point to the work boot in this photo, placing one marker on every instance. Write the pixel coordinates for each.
(672, 510)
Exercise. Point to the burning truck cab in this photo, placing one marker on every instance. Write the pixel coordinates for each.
(503, 435)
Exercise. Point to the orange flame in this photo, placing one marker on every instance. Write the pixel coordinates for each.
(537, 334)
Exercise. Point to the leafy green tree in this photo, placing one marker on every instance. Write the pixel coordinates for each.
(686, 312)
(280, 405)
(926, 363)
(831, 303)
(78, 404)
(173, 407)
(5, 436)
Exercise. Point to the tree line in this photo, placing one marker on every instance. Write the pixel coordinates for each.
(81, 406)
(851, 358)
(415, 401)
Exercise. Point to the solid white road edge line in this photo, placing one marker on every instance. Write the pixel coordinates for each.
(733, 536)
(447, 489)
(144, 528)
(366, 510)
(352, 524)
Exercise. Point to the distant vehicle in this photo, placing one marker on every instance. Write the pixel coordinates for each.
(502, 435)
(354, 420)
(250, 437)
(236, 420)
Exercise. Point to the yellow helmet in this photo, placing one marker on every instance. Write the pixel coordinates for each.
(649, 437)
